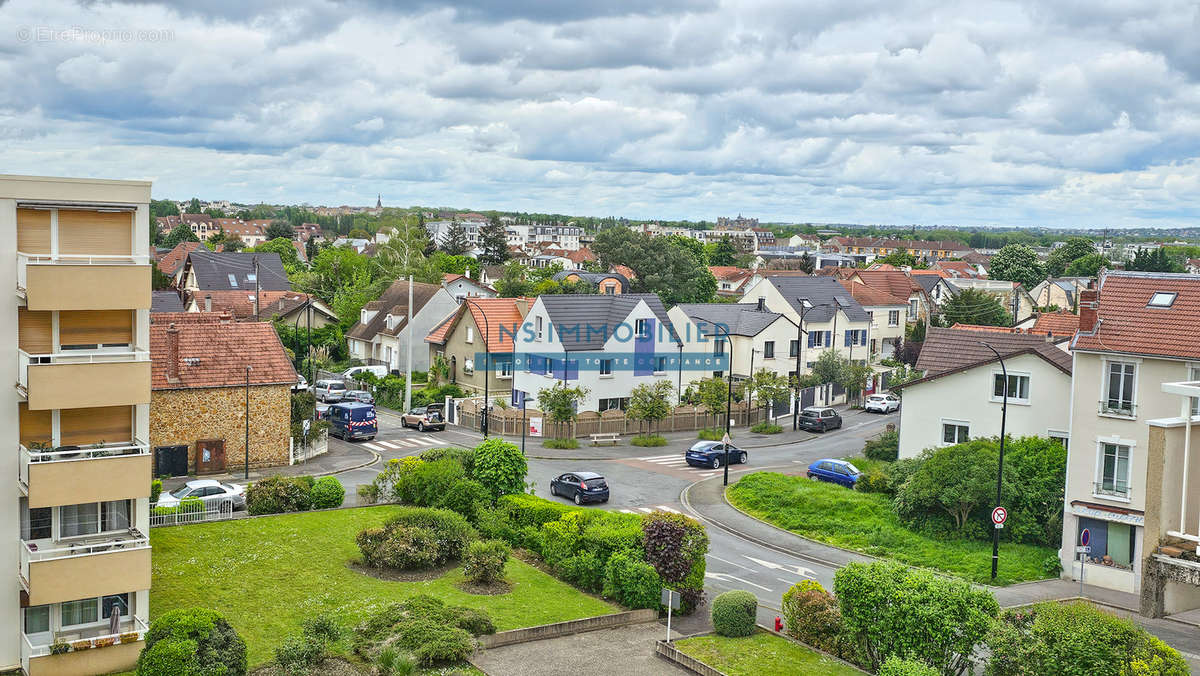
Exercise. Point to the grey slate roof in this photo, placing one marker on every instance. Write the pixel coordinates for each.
(212, 271)
(927, 282)
(741, 319)
(601, 313)
(952, 350)
(594, 278)
(166, 301)
(822, 293)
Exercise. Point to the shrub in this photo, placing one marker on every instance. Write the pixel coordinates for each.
(896, 666)
(873, 481)
(1052, 566)
(584, 570)
(710, 434)
(368, 493)
(277, 494)
(451, 530)
(189, 505)
(467, 497)
(327, 493)
(885, 447)
(192, 641)
(631, 581)
(891, 609)
(529, 510)
(734, 612)
(446, 644)
(560, 539)
(648, 440)
(298, 654)
(900, 471)
(464, 456)
(494, 525)
(811, 615)
(676, 545)
(401, 547)
(955, 481)
(500, 467)
(395, 619)
(323, 628)
(392, 663)
(562, 442)
(426, 483)
(485, 560)
(155, 490)
(765, 427)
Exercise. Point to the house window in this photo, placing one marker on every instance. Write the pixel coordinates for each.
(92, 518)
(1060, 438)
(606, 366)
(614, 403)
(37, 619)
(954, 432)
(1119, 387)
(36, 522)
(912, 307)
(1195, 376)
(794, 349)
(660, 364)
(893, 318)
(1114, 470)
(233, 281)
(84, 611)
(470, 334)
(506, 369)
(118, 601)
(468, 366)
(1018, 387)
(1116, 541)
(769, 349)
(642, 328)
(719, 347)
(538, 322)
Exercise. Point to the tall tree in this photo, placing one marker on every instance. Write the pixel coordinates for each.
(649, 403)
(1073, 249)
(806, 263)
(493, 240)
(1086, 266)
(194, 206)
(180, 233)
(659, 266)
(1156, 260)
(1017, 263)
(723, 252)
(310, 248)
(973, 306)
(278, 229)
(455, 242)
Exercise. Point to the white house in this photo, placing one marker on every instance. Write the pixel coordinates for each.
(462, 286)
(381, 335)
(608, 344)
(960, 394)
(759, 337)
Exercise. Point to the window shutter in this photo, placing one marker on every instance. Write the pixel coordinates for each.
(828, 339)
(849, 338)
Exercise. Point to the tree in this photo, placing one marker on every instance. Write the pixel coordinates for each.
(285, 249)
(493, 241)
(713, 394)
(310, 248)
(649, 403)
(692, 246)
(828, 367)
(500, 466)
(163, 208)
(560, 403)
(723, 252)
(233, 243)
(455, 242)
(178, 234)
(974, 306)
(806, 263)
(1155, 260)
(899, 375)
(513, 284)
(900, 259)
(280, 230)
(359, 233)
(1017, 263)
(194, 206)
(659, 266)
(1072, 250)
(955, 479)
(853, 377)
(766, 386)
(1087, 266)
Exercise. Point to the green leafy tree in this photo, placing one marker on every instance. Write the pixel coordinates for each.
(660, 267)
(359, 233)
(455, 241)
(974, 306)
(194, 206)
(692, 246)
(514, 284)
(1153, 260)
(1072, 250)
(232, 243)
(713, 394)
(853, 378)
(180, 233)
(723, 252)
(956, 479)
(280, 229)
(899, 259)
(500, 466)
(493, 241)
(1087, 266)
(766, 386)
(1017, 263)
(310, 248)
(899, 376)
(806, 263)
(287, 253)
(828, 367)
(649, 403)
(163, 208)
(560, 403)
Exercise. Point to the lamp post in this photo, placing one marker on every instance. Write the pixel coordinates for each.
(483, 425)
(750, 386)
(1000, 467)
(247, 447)
(728, 403)
(805, 306)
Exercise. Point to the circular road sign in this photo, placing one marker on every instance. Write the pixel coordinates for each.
(1085, 537)
(999, 514)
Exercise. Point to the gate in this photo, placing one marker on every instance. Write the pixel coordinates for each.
(808, 397)
(170, 461)
(210, 456)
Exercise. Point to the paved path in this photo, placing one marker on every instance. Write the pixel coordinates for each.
(628, 651)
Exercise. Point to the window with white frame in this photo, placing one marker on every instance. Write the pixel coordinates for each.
(642, 328)
(37, 620)
(912, 307)
(92, 518)
(506, 368)
(1114, 470)
(719, 346)
(606, 367)
(470, 334)
(893, 318)
(660, 364)
(538, 327)
(769, 349)
(1120, 378)
(1018, 387)
(955, 432)
(93, 610)
(1194, 375)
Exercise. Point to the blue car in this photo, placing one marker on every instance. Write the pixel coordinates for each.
(834, 471)
(712, 454)
(353, 421)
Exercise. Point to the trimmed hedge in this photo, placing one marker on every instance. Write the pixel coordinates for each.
(648, 440)
(485, 560)
(327, 493)
(734, 613)
(277, 494)
(895, 666)
(192, 642)
(416, 537)
(631, 581)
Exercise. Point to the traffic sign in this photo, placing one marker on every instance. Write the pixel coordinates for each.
(1085, 538)
(1084, 549)
(999, 515)
(670, 598)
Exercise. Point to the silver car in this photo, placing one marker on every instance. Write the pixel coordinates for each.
(214, 494)
(329, 390)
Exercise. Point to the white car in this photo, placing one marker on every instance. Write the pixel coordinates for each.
(882, 403)
(216, 495)
(301, 384)
(377, 370)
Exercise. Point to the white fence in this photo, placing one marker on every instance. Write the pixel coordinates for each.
(189, 511)
(301, 452)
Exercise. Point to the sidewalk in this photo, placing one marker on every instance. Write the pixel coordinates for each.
(339, 458)
(627, 650)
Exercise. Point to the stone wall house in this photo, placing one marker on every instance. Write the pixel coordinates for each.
(199, 390)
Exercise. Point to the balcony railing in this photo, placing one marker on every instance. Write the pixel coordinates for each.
(1114, 489)
(132, 630)
(101, 543)
(24, 260)
(73, 454)
(98, 356)
(1121, 408)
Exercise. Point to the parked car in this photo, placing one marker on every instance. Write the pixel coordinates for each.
(214, 494)
(353, 420)
(361, 396)
(882, 403)
(301, 384)
(424, 418)
(322, 412)
(580, 486)
(329, 390)
(834, 471)
(712, 454)
(377, 370)
(819, 419)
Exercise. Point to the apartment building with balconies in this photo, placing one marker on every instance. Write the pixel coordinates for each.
(76, 418)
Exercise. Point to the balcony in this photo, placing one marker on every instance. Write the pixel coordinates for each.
(87, 651)
(85, 567)
(1111, 489)
(1115, 408)
(84, 378)
(72, 475)
(83, 282)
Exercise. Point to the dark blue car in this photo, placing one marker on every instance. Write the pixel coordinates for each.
(353, 421)
(580, 486)
(834, 471)
(712, 454)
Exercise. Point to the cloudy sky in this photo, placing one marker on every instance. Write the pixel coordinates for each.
(1067, 113)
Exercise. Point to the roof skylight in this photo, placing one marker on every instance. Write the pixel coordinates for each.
(1162, 299)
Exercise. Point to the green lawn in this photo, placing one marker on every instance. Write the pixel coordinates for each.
(763, 654)
(267, 574)
(865, 522)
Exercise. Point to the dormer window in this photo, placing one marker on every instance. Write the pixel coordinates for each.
(1162, 299)
(233, 280)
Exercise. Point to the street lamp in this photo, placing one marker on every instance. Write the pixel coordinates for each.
(247, 447)
(1000, 468)
(728, 403)
(483, 426)
(805, 306)
(750, 386)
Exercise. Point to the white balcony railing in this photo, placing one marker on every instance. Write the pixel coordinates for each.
(97, 637)
(101, 543)
(97, 356)
(73, 454)
(24, 260)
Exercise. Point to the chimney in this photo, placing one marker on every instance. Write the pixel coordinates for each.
(762, 304)
(172, 354)
(208, 302)
(1089, 303)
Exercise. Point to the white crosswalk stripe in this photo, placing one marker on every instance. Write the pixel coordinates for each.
(388, 444)
(645, 509)
(373, 447)
(407, 442)
(660, 457)
(429, 440)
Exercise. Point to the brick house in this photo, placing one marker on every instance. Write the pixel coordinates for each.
(198, 393)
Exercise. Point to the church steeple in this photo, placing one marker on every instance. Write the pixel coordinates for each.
(379, 201)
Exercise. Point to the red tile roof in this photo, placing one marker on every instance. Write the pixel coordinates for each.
(1057, 323)
(581, 255)
(729, 272)
(895, 283)
(499, 312)
(959, 268)
(240, 304)
(952, 350)
(170, 262)
(216, 353)
(625, 270)
(870, 296)
(983, 327)
(1127, 325)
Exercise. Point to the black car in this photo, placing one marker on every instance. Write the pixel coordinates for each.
(580, 486)
(712, 454)
(819, 419)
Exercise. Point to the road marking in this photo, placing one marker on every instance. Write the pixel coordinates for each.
(735, 565)
(429, 440)
(668, 509)
(373, 447)
(387, 444)
(628, 511)
(794, 570)
(727, 577)
(661, 457)
(645, 509)
(407, 442)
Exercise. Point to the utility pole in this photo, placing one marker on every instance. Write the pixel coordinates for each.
(804, 306)
(411, 334)
(247, 447)
(1000, 467)
(254, 259)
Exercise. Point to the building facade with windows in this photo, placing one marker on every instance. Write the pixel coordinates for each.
(760, 338)
(77, 419)
(478, 330)
(1128, 468)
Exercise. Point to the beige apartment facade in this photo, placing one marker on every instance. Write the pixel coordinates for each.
(77, 419)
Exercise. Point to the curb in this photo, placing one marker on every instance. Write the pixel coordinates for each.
(375, 457)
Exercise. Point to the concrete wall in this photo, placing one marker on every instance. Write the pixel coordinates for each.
(966, 397)
(180, 417)
(10, 639)
(557, 629)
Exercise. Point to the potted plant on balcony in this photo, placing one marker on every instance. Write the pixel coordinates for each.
(36, 448)
(105, 642)
(59, 647)
(84, 644)
(129, 637)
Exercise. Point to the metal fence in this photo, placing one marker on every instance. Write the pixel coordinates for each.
(509, 421)
(189, 511)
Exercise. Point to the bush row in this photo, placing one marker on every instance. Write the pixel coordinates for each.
(425, 627)
(278, 494)
(192, 642)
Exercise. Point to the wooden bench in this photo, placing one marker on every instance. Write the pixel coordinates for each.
(605, 437)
